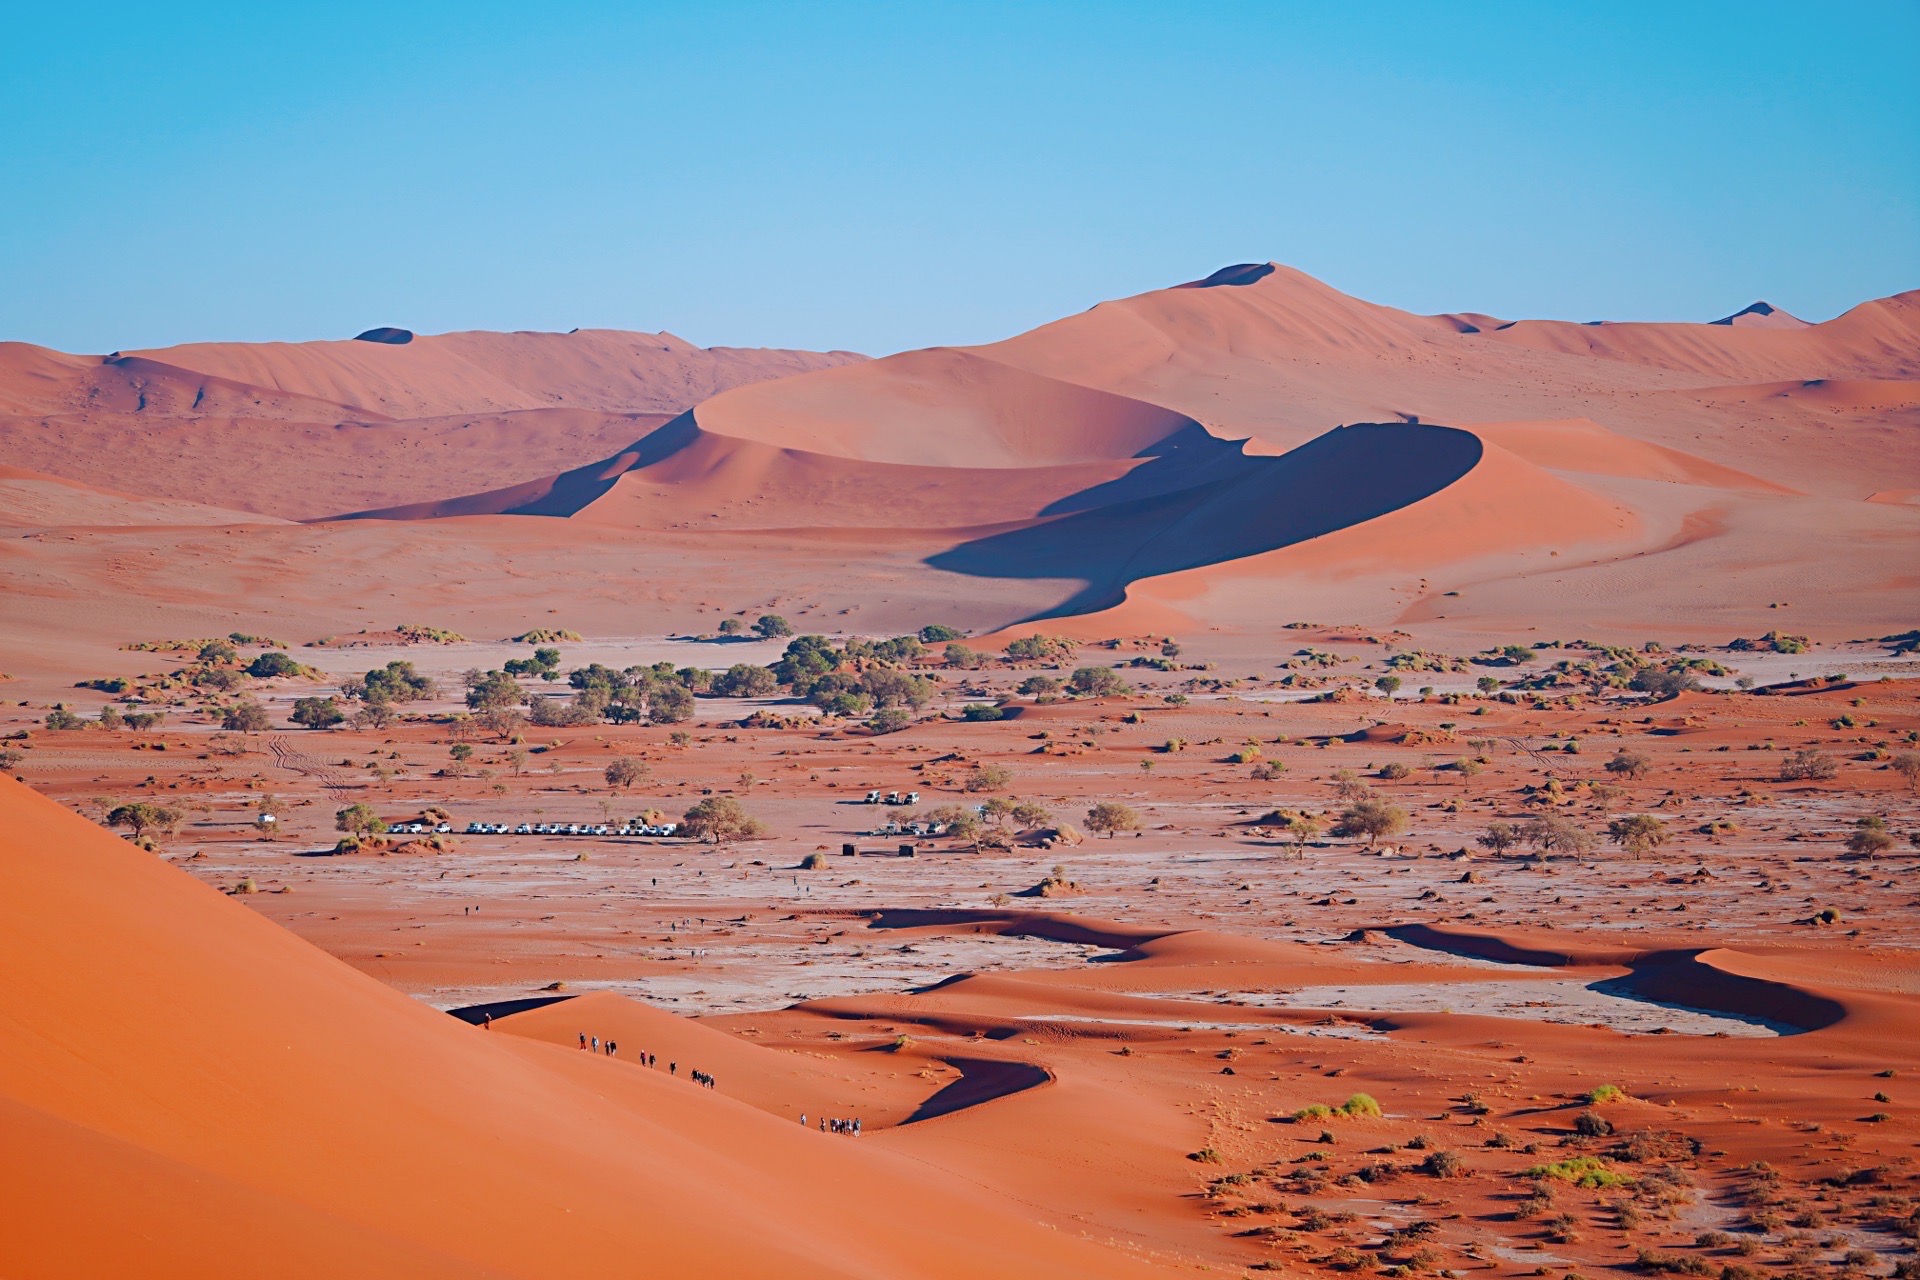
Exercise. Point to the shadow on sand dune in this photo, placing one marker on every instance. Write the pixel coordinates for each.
(1205, 504)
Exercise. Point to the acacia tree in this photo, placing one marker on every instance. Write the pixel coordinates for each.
(1628, 764)
(624, 771)
(988, 777)
(1639, 834)
(1110, 817)
(1372, 819)
(246, 716)
(142, 817)
(317, 713)
(720, 820)
(359, 820)
(1907, 765)
(1498, 838)
(1870, 837)
(1030, 816)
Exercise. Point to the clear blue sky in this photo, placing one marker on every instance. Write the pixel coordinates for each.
(888, 176)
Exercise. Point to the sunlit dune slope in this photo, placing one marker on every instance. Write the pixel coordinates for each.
(242, 1104)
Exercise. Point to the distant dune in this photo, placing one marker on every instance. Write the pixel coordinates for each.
(1224, 453)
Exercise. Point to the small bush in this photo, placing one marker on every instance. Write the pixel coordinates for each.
(1581, 1171)
(1443, 1164)
(1591, 1124)
(1605, 1093)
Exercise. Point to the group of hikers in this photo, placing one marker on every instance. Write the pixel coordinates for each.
(829, 1125)
(593, 1044)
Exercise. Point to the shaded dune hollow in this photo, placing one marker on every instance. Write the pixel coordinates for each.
(1237, 506)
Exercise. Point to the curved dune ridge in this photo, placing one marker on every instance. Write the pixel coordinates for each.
(362, 423)
(1148, 965)
(246, 1103)
(1036, 476)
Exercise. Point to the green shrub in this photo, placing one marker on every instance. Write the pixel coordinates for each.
(1581, 1171)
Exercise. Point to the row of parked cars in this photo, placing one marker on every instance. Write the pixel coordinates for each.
(568, 829)
(892, 797)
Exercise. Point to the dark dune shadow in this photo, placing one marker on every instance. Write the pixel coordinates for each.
(478, 1013)
(981, 1080)
(1204, 507)
(1189, 457)
(1240, 273)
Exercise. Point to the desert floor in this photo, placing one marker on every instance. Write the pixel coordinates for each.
(1128, 1035)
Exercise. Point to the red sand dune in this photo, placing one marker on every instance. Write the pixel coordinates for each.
(362, 423)
(1178, 453)
(608, 370)
(237, 1096)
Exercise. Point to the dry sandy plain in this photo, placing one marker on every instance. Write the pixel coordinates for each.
(231, 1054)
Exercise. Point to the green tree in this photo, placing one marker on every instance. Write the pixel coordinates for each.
(771, 626)
(1499, 838)
(729, 626)
(142, 817)
(961, 822)
(1030, 816)
(935, 633)
(890, 720)
(1488, 684)
(720, 820)
(1097, 682)
(1388, 685)
(359, 820)
(669, 704)
(1628, 764)
(624, 771)
(61, 718)
(744, 680)
(317, 713)
(1550, 833)
(1870, 837)
(1110, 817)
(246, 716)
(1665, 684)
(274, 663)
(1373, 819)
(1517, 655)
(988, 777)
(1639, 834)
(217, 651)
(1808, 764)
